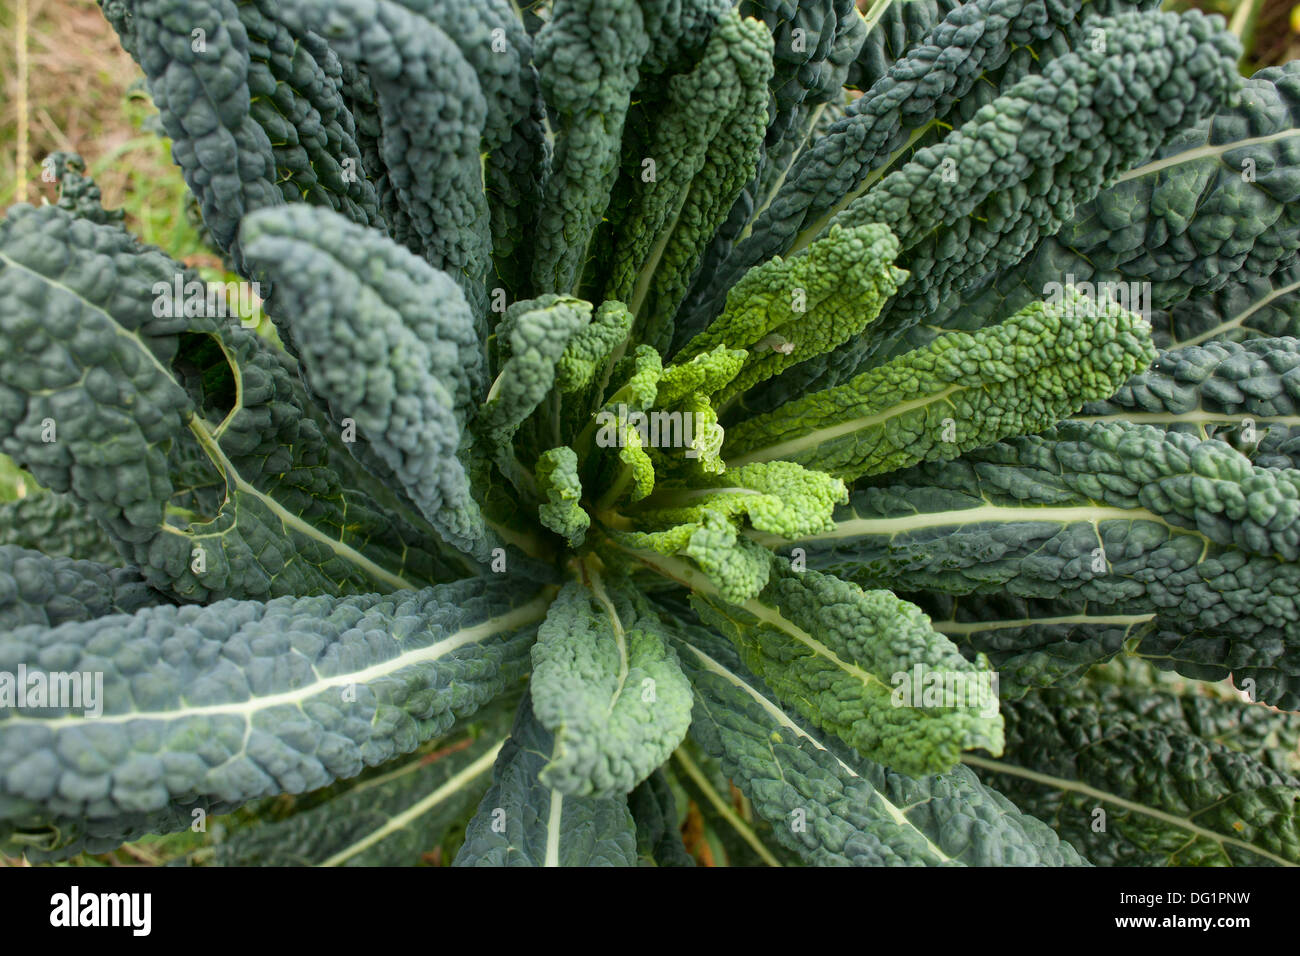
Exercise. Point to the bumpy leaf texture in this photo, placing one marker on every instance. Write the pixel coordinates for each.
(391, 816)
(1051, 551)
(632, 382)
(1169, 792)
(211, 707)
(186, 439)
(523, 822)
(835, 809)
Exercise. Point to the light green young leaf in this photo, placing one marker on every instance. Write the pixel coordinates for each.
(531, 340)
(591, 347)
(832, 807)
(607, 685)
(776, 497)
(705, 521)
(630, 472)
(557, 479)
(704, 373)
(785, 311)
(962, 391)
(735, 566)
(849, 660)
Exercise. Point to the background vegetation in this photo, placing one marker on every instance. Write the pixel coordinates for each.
(66, 84)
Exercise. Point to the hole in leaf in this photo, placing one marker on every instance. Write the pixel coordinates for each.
(202, 367)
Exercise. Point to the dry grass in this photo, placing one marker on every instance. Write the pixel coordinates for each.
(84, 94)
(1277, 32)
(80, 91)
(77, 84)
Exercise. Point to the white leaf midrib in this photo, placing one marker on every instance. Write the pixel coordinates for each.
(520, 616)
(794, 447)
(681, 571)
(980, 514)
(974, 627)
(461, 779)
(784, 719)
(1205, 151)
(553, 820)
(1075, 786)
(210, 445)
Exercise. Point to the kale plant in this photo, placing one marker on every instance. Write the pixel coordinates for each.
(760, 414)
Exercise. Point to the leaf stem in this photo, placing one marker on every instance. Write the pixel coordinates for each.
(726, 812)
